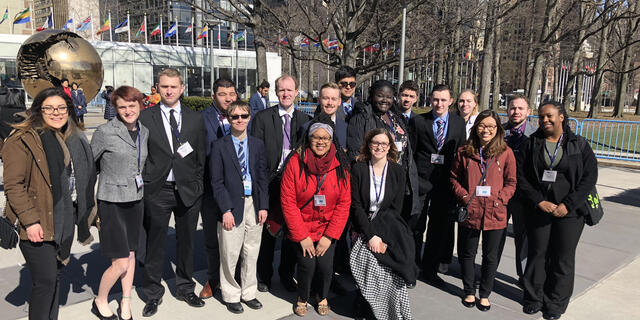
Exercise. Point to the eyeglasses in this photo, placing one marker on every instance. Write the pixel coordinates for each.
(490, 128)
(351, 84)
(383, 145)
(238, 116)
(320, 139)
(51, 109)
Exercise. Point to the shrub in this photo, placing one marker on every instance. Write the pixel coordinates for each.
(196, 103)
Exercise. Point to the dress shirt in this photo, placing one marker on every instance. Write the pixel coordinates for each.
(245, 146)
(375, 182)
(282, 112)
(167, 128)
(469, 124)
(444, 118)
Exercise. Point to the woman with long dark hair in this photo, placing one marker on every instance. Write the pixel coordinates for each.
(483, 176)
(383, 253)
(556, 171)
(49, 178)
(315, 195)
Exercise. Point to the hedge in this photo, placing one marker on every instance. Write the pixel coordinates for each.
(197, 103)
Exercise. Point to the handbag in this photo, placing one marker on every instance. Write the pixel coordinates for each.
(594, 210)
(460, 213)
(8, 233)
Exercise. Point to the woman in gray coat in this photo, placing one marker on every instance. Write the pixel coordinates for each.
(120, 149)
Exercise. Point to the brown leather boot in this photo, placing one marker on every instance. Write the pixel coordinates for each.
(207, 290)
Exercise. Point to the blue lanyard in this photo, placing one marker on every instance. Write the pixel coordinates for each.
(391, 127)
(176, 132)
(375, 186)
(555, 152)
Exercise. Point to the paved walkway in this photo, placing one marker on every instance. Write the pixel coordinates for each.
(608, 274)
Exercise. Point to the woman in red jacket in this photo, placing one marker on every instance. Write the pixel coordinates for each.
(315, 201)
(483, 178)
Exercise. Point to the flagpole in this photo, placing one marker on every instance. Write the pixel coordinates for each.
(145, 28)
(129, 27)
(219, 43)
(93, 35)
(161, 33)
(246, 75)
(53, 21)
(177, 31)
(192, 35)
(31, 20)
(110, 35)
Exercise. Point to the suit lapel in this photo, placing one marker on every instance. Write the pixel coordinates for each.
(366, 187)
(121, 131)
(157, 121)
(277, 128)
(430, 133)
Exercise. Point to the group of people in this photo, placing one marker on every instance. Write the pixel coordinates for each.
(350, 190)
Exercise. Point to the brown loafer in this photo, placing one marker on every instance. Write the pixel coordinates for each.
(323, 308)
(207, 291)
(300, 308)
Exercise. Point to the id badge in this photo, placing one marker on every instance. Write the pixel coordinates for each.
(483, 191)
(399, 146)
(437, 158)
(139, 181)
(549, 175)
(247, 187)
(185, 149)
(319, 200)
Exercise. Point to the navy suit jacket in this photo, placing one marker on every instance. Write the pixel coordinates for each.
(226, 177)
(255, 103)
(211, 123)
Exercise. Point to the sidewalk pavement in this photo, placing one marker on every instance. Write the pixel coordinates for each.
(607, 274)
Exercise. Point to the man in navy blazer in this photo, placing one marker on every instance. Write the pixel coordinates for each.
(260, 100)
(218, 126)
(408, 96)
(239, 180)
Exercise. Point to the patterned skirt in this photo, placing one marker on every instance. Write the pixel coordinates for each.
(384, 290)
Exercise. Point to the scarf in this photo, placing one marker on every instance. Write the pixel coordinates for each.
(320, 165)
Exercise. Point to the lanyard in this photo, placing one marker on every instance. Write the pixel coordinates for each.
(375, 186)
(138, 146)
(320, 182)
(555, 152)
(484, 167)
(392, 129)
(176, 132)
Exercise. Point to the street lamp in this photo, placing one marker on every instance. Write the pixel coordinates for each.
(402, 42)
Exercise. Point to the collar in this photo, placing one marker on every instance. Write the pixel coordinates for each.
(282, 111)
(165, 109)
(238, 141)
(444, 118)
(348, 102)
(519, 129)
(407, 114)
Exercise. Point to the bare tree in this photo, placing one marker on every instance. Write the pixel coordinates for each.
(631, 27)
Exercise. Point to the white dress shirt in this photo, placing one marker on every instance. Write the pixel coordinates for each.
(285, 152)
(167, 128)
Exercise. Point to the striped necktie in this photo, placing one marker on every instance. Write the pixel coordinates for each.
(242, 161)
(440, 133)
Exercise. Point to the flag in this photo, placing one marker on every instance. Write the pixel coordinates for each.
(105, 27)
(467, 55)
(68, 25)
(189, 29)
(282, 41)
(172, 31)
(123, 26)
(204, 32)
(304, 42)
(22, 17)
(140, 31)
(47, 24)
(241, 36)
(85, 25)
(155, 31)
(229, 37)
(5, 16)
(331, 44)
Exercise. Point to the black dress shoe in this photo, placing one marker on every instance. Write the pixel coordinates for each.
(263, 286)
(469, 304)
(253, 304)
(191, 299)
(551, 316)
(96, 311)
(120, 315)
(443, 268)
(151, 307)
(483, 308)
(531, 309)
(411, 285)
(235, 307)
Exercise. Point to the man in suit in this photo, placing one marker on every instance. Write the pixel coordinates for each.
(217, 124)
(408, 97)
(278, 127)
(239, 175)
(345, 77)
(260, 100)
(436, 136)
(516, 131)
(329, 103)
(173, 176)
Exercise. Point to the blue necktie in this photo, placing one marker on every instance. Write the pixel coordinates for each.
(242, 161)
(440, 133)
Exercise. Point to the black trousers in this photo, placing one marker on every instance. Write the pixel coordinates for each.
(438, 247)
(157, 212)
(341, 257)
(45, 270)
(320, 268)
(467, 249)
(287, 265)
(516, 211)
(550, 272)
(209, 216)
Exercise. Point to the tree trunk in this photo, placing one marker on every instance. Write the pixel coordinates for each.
(575, 61)
(579, 86)
(530, 57)
(637, 113)
(441, 67)
(535, 81)
(260, 42)
(487, 57)
(549, 16)
(497, 41)
(595, 103)
(456, 52)
(623, 83)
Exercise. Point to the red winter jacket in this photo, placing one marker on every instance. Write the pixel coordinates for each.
(485, 213)
(313, 221)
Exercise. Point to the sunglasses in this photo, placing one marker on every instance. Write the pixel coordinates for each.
(351, 84)
(238, 116)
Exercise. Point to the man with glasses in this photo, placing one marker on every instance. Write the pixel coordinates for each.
(218, 126)
(345, 77)
(238, 172)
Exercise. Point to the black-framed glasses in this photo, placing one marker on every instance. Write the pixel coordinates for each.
(490, 127)
(50, 109)
(320, 139)
(382, 145)
(238, 116)
(351, 84)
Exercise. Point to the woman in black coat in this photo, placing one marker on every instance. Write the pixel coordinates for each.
(556, 171)
(382, 257)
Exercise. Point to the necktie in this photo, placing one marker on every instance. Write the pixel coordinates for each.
(286, 143)
(440, 133)
(242, 161)
(174, 130)
(347, 109)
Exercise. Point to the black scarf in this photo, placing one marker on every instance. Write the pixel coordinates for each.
(55, 161)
